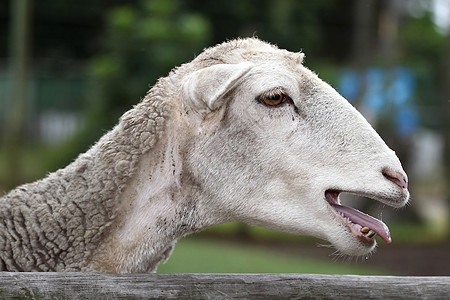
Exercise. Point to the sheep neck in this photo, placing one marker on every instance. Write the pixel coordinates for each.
(156, 208)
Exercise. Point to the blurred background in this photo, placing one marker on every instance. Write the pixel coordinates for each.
(69, 69)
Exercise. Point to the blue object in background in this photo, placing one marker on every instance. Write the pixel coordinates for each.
(402, 88)
(374, 98)
(391, 90)
(350, 85)
(406, 121)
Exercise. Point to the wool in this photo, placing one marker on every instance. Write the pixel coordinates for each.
(55, 223)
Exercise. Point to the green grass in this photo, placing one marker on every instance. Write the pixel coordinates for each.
(194, 255)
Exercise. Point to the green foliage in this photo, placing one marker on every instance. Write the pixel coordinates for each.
(142, 42)
(421, 49)
(291, 24)
(420, 41)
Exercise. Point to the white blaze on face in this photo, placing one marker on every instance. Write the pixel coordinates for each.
(281, 148)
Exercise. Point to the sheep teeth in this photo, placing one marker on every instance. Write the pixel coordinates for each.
(366, 231)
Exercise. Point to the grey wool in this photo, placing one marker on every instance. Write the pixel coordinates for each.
(54, 224)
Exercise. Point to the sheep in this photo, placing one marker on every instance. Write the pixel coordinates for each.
(244, 132)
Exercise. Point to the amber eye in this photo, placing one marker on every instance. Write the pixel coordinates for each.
(273, 98)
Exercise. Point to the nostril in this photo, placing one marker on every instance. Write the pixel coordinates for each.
(396, 177)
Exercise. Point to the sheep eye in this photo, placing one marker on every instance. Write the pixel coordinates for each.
(273, 98)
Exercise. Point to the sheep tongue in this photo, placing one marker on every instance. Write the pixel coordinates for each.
(365, 221)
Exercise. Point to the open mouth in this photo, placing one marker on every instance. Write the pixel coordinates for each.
(363, 226)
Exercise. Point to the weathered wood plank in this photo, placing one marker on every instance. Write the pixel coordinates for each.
(219, 286)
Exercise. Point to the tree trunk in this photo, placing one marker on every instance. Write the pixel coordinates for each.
(16, 115)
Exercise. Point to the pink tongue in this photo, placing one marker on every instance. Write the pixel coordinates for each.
(365, 221)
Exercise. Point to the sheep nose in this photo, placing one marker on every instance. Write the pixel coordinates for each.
(397, 178)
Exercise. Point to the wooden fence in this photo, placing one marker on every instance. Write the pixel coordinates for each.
(219, 286)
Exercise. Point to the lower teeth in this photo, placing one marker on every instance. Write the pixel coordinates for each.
(366, 231)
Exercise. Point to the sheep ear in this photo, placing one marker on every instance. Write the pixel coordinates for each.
(206, 87)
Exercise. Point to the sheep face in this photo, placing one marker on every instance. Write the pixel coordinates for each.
(274, 146)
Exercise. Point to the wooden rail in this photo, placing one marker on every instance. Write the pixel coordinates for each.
(219, 286)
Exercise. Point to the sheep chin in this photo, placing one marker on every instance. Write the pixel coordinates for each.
(348, 241)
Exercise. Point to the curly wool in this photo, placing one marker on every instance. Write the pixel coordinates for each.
(54, 224)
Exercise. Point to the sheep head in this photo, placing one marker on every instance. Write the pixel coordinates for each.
(274, 146)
